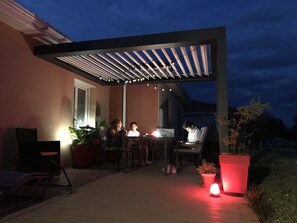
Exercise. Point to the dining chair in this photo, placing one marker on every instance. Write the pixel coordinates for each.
(133, 150)
(115, 148)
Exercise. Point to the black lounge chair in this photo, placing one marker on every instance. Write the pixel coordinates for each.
(14, 193)
(11, 181)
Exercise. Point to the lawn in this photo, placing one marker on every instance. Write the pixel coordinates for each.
(273, 185)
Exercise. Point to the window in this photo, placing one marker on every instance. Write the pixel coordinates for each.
(81, 103)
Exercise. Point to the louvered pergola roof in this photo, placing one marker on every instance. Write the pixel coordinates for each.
(166, 57)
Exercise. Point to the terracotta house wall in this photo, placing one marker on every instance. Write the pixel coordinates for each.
(37, 94)
(116, 102)
(142, 107)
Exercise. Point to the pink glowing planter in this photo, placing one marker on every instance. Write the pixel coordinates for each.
(208, 179)
(234, 173)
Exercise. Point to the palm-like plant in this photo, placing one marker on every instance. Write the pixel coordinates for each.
(239, 137)
(206, 168)
(82, 135)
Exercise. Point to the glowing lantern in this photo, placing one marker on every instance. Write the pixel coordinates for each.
(214, 190)
(156, 133)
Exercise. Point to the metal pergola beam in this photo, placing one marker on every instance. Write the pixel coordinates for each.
(145, 42)
(130, 59)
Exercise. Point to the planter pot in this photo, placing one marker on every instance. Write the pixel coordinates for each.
(208, 179)
(95, 152)
(234, 173)
(81, 156)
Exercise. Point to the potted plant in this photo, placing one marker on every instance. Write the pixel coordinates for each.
(208, 173)
(83, 147)
(234, 165)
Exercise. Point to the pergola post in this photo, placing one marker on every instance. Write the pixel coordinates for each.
(221, 90)
(124, 115)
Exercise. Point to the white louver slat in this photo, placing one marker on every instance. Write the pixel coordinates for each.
(140, 65)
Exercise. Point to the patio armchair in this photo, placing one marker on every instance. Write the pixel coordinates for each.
(193, 149)
(39, 156)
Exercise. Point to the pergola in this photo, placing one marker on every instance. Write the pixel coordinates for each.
(176, 56)
(195, 55)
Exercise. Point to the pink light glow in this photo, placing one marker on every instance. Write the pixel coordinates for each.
(214, 190)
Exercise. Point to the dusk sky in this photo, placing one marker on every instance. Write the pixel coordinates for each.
(261, 39)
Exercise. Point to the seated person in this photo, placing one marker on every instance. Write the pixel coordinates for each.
(115, 133)
(133, 132)
(194, 134)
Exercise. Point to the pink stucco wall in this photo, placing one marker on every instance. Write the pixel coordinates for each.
(37, 94)
(141, 106)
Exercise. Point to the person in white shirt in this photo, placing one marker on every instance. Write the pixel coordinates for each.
(194, 133)
(133, 132)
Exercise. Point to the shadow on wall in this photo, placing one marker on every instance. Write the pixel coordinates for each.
(66, 110)
(8, 148)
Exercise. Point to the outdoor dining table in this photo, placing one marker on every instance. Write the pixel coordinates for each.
(150, 140)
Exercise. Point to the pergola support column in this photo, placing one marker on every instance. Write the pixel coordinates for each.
(222, 91)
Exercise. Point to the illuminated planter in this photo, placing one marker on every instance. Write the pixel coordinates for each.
(234, 173)
(208, 179)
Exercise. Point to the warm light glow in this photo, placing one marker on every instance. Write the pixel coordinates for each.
(215, 190)
(156, 133)
(64, 137)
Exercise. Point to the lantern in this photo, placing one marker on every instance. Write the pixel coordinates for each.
(214, 190)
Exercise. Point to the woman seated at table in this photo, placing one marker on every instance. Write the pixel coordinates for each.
(115, 133)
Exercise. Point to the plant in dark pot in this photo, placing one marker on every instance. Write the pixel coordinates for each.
(83, 147)
(235, 164)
